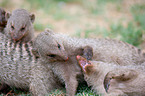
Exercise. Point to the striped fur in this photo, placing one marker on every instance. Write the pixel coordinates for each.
(21, 69)
(15, 62)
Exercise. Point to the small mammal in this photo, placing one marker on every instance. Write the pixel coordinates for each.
(3, 20)
(20, 68)
(19, 25)
(49, 46)
(106, 50)
(109, 79)
(62, 62)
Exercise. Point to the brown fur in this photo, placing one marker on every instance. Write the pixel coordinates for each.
(3, 20)
(19, 19)
(65, 67)
(110, 79)
(105, 50)
(20, 69)
(19, 26)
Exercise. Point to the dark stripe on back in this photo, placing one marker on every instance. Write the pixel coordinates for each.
(13, 50)
(1, 47)
(11, 44)
(1, 53)
(21, 50)
(28, 50)
(6, 48)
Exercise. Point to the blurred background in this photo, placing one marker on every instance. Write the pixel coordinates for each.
(119, 19)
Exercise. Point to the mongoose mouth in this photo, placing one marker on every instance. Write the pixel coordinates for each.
(17, 38)
(83, 62)
(66, 59)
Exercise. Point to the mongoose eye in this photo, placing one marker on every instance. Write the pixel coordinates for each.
(59, 47)
(52, 55)
(23, 28)
(12, 27)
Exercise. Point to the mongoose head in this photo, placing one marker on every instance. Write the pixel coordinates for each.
(19, 24)
(3, 20)
(114, 78)
(46, 46)
(86, 65)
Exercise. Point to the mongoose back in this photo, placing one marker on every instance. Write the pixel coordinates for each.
(63, 65)
(105, 50)
(19, 25)
(21, 69)
(109, 79)
(3, 20)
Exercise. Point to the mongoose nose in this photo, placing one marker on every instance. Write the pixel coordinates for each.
(66, 58)
(78, 57)
(16, 38)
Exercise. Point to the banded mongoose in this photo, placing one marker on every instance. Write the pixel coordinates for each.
(3, 20)
(63, 65)
(20, 68)
(106, 50)
(19, 25)
(120, 53)
(109, 79)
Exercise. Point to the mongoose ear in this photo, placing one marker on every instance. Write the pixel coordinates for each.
(35, 52)
(88, 52)
(7, 15)
(88, 69)
(32, 17)
(48, 30)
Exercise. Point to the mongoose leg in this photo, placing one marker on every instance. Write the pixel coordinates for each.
(42, 81)
(71, 86)
(120, 75)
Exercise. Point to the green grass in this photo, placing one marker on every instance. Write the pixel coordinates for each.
(4, 3)
(138, 12)
(130, 34)
(39, 26)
